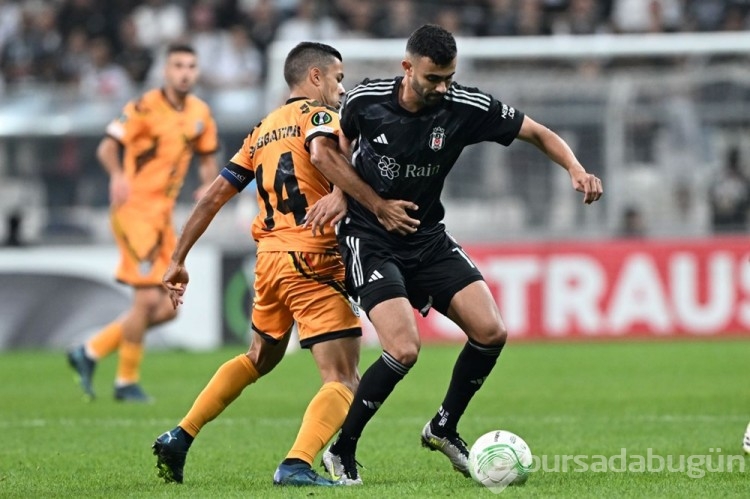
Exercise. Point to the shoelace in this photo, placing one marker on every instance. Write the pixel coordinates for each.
(459, 442)
(350, 464)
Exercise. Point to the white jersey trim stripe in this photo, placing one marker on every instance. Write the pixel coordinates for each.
(351, 97)
(382, 88)
(475, 95)
(365, 88)
(379, 85)
(484, 107)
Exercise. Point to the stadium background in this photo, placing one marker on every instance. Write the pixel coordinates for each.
(664, 123)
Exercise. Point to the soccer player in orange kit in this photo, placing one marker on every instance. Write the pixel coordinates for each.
(147, 152)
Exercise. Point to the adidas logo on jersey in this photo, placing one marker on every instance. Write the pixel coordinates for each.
(375, 276)
(380, 139)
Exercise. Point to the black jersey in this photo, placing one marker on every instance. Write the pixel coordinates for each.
(405, 155)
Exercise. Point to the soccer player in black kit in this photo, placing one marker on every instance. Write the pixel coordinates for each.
(405, 134)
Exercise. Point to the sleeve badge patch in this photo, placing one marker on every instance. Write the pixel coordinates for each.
(321, 118)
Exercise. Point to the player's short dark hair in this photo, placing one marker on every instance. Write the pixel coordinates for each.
(433, 41)
(307, 55)
(178, 48)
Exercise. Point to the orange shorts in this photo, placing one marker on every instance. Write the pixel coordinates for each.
(146, 244)
(304, 287)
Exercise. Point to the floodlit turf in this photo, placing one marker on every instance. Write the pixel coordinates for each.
(597, 409)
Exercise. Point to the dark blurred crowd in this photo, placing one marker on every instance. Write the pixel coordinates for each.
(108, 48)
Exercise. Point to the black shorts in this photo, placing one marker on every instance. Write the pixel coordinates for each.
(428, 276)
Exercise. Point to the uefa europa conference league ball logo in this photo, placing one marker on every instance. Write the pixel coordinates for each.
(499, 459)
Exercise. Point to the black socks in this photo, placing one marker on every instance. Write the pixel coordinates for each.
(474, 364)
(376, 384)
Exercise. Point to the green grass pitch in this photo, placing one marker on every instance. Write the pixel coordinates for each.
(679, 400)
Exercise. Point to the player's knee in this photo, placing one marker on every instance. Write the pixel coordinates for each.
(161, 312)
(351, 381)
(259, 361)
(344, 372)
(168, 314)
(491, 334)
(500, 336)
(264, 360)
(406, 354)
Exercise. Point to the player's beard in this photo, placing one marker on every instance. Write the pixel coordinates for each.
(433, 98)
(428, 98)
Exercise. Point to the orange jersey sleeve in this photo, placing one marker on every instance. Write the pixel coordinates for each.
(159, 141)
(287, 182)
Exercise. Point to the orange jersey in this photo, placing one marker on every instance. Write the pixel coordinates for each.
(159, 142)
(287, 181)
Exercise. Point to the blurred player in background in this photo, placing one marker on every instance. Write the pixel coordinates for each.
(298, 275)
(147, 152)
(407, 133)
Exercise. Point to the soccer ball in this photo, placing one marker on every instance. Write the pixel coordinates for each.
(500, 458)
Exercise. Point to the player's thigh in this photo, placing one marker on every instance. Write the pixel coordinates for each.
(396, 326)
(475, 311)
(270, 317)
(451, 283)
(313, 289)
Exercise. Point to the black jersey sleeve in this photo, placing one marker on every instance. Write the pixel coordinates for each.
(501, 123)
(486, 118)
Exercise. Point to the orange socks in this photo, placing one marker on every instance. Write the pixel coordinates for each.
(129, 363)
(225, 386)
(324, 416)
(105, 342)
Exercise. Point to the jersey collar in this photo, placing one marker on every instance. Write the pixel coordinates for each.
(169, 103)
(295, 99)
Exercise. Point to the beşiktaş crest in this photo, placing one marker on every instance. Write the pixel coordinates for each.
(437, 138)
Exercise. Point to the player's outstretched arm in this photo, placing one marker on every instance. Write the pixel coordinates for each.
(391, 213)
(558, 151)
(176, 277)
